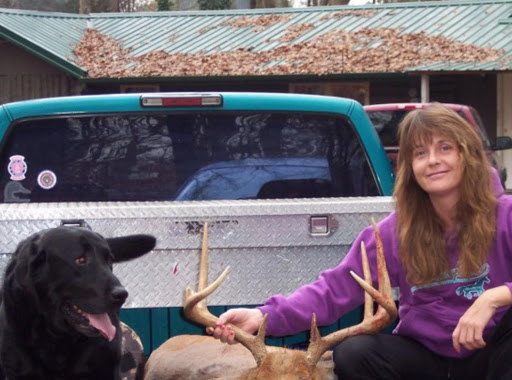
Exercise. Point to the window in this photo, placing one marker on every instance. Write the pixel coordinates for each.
(130, 88)
(386, 124)
(183, 156)
(359, 91)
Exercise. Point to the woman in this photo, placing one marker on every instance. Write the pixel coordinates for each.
(448, 249)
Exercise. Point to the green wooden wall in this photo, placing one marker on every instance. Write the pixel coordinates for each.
(155, 325)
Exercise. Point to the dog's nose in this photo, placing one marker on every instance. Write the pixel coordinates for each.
(119, 294)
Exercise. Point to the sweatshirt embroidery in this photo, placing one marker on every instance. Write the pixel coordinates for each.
(455, 278)
(473, 290)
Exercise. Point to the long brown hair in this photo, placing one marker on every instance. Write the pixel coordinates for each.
(421, 232)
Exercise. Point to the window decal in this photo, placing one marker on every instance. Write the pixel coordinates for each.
(46, 179)
(17, 167)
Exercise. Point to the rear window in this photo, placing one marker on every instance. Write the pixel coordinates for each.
(481, 128)
(386, 124)
(184, 157)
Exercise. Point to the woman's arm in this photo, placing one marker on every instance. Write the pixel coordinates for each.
(469, 331)
(334, 293)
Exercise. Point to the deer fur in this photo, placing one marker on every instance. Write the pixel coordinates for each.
(195, 357)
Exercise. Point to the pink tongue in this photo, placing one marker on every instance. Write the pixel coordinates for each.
(103, 324)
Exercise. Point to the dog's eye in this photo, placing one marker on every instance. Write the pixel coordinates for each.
(82, 260)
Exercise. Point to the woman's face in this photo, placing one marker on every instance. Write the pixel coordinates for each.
(437, 166)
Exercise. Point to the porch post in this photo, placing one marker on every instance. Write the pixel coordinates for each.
(504, 119)
(425, 88)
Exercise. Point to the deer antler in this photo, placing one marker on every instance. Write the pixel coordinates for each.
(371, 324)
(196, 309)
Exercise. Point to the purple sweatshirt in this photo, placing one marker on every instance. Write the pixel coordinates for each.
(427, 313)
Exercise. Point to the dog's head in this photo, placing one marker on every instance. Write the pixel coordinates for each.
(63, 276)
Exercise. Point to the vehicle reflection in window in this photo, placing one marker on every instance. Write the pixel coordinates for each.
(265, 178)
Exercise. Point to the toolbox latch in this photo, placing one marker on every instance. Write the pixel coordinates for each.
(319, 225)
(75, 223)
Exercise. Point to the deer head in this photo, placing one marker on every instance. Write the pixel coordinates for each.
(283, 363)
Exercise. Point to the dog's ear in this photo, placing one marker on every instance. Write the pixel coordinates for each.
(34, 254)
(17, 277)
(28, 252)
(37, 256)
(130, 247)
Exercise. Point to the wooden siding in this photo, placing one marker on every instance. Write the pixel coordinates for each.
(24, 76)
(31, 86)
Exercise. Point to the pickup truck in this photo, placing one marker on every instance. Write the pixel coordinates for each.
(285, 182)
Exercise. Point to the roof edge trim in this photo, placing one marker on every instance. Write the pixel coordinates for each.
(74, 70)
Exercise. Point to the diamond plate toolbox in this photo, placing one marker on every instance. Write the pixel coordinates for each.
(272, 246)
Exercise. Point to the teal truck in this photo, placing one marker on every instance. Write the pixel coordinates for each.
(285, 182)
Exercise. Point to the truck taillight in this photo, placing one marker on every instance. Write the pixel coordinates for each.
(181, 100)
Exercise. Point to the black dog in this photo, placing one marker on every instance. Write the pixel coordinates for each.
(59, 313)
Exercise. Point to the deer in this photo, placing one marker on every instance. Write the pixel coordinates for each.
(200, 357)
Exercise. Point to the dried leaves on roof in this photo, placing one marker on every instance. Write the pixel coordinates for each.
(258, 23)
(356, 13)
(295, 31)
(364, 51)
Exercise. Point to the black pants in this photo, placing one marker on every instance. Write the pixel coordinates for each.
(394, 357)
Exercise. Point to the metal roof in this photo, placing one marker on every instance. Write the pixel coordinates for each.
(398, 37)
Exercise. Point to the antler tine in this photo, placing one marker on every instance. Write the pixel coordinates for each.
(368, 300)
(196, 309)
(384, 296)
(372, 323)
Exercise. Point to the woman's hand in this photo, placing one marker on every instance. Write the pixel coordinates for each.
(248, 320)
(469, 331)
